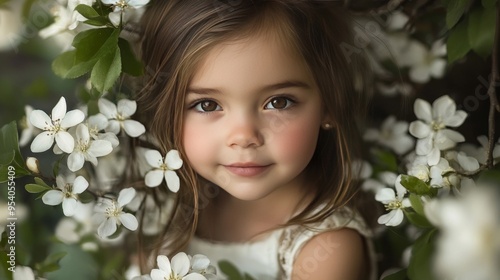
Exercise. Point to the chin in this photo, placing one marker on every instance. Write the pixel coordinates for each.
(247, 193)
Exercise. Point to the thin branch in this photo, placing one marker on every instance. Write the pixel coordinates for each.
(494, 106)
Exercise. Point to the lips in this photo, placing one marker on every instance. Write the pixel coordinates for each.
(247, 169)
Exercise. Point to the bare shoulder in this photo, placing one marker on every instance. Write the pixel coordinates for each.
(337, 254)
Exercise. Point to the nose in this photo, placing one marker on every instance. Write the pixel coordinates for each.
(244, 132)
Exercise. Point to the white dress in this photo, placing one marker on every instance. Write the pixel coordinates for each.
(272, 257)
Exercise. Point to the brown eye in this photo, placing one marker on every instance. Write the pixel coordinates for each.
(207, 106)
(279, 103)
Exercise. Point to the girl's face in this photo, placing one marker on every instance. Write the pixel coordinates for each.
(252, 118)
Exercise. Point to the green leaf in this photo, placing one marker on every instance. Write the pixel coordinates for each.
(10, 156)
(489, 177)
(93, 44)
(454, 11)
(418, 220)
(130, 63)
(420, 266)
(416, 204)
(55, 258)
(489, 3)
(99, 21)
(458, 42)
(385, 160)
(481, 30)
(230, 270)
(106, 71)
(35, 188)
(86, 197)
(399, 275)
(417, 186)
(66, 67)
(87, 11)
(248, 277)
(39, 181)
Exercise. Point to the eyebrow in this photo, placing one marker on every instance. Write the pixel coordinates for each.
(273, 87)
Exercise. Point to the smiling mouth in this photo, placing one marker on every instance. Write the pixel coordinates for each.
(247, 169)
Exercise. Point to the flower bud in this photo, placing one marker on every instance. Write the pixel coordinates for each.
(33, 164)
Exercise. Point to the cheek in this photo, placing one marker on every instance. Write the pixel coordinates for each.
(297, 140)
(196, 141)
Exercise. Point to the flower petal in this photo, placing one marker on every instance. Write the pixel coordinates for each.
(172, 180)
(157, 274)
(194, 276)
(422, 110)
(80, 185)
(419, 129)
(107, 108)
(126, 107)
(53, 197)
(455, 120)
(154, 158)
(42, 142)
(99, 121)
(385, 195)
(395, 217)
(76, 161)
(180, 264)
(133, 128)
(69, 206)
(99, 148)
(433, 157)
(82, 133)
(125, 196)
(199, 262)
(129, 221)
(173, 160)
(72, 118)
(107, 228)
(40, 119)
(154, 178)
(424, 146)
(59, 110)
(164, 264)
(467, 163)
(443, 107)
(65, 141)
(113, 126)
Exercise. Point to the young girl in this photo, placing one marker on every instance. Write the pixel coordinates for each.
(259, 99)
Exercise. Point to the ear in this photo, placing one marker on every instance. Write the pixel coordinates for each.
(327, 123)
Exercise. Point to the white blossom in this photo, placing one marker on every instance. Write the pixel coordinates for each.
(54, 127)
(178, 269)
(469, 240)
(395, 202)
(33, 165)
(429, 63)
(23, 273)
(29, 131)
(163, 168)
(71, 230)
(419, 168)
(67, 194)
(109, 213)
(201, 264)
(393, 134)
(87, 149)
(119, 116)
(98, 123)
(431, 128)
(442, 175)
(123, 9)
(65, 18)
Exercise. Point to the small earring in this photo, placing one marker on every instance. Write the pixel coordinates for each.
(327, 126)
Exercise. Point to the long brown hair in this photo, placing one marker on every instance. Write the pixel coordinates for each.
(176, 36)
